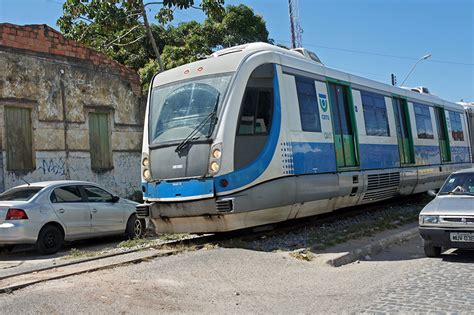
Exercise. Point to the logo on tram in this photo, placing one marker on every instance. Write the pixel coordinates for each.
(323, 102)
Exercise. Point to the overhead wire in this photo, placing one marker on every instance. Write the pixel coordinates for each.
(383, 54)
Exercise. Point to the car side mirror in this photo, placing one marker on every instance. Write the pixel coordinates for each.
(431, 193)
(115, 199)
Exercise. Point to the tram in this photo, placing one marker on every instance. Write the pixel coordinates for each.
(257, 134)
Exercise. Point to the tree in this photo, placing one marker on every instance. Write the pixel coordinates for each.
(116, 27)
(190, 41)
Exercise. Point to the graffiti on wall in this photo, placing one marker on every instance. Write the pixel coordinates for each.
(124, 179)
(53, 166)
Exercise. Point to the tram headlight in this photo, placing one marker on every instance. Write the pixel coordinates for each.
(216, 154)
(214, 166)
(215, 158)
(147, 174)
(146, 162)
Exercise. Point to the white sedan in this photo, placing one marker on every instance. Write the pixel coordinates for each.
(448, 220)
(48, 213)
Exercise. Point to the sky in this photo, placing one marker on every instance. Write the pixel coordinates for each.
(370, 38)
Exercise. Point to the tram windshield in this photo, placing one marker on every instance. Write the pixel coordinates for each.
(178, 109)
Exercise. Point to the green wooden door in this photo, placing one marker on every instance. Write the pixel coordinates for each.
(99, 138)
(19, 139)
(442, 135)
(344, 139)
(405, 140)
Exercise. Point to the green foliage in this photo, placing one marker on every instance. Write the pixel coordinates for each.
(133, 243)
(147, 72)
(115, 28)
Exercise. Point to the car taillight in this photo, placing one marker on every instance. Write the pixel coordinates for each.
(16, 214)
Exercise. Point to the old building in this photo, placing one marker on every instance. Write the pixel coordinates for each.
(66, 112)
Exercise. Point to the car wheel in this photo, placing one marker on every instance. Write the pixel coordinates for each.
(135, 227)
(50, 240)
(431, 250)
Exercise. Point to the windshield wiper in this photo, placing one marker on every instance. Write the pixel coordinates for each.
(212, 117)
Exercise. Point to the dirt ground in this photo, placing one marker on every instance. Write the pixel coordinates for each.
(235, 280)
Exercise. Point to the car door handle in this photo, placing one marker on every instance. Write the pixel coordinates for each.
(94, 210)
(62, 210)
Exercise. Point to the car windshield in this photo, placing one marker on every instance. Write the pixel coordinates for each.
(178, 109)
(20, 194)
(461, 184)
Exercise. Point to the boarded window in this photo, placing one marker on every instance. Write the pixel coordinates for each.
(99, 138)
(19, 139)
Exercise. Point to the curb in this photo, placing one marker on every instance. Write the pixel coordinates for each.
(373, 248)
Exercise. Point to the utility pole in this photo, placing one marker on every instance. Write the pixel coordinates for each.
(295, 28)
(150, 37)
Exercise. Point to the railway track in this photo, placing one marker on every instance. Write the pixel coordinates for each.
(15, 281)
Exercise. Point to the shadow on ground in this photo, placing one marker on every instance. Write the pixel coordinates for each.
(341, 231)
(459, 256)
(28, 252)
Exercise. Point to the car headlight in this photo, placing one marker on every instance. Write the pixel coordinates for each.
(429, 219)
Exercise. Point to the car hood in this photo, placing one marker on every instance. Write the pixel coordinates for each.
(450, 205)
(5, 205)
(128, 201)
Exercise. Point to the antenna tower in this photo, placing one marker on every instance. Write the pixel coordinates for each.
(295, 28)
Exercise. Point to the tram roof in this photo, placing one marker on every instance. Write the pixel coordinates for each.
(229, 59)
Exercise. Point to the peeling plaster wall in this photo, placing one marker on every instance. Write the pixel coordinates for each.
(48, 84)
(124, 179)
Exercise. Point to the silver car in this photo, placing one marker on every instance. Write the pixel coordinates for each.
(48, 213)
(448, 220)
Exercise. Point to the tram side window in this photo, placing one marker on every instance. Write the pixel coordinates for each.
(423, 122)
(256, 112)
(456, 126)
(255, 118)
(375, 114)
(309, 111)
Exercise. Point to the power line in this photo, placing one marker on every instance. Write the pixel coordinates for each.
(385, 55)
(358, 72)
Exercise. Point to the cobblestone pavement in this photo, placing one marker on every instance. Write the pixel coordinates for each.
(444, 285)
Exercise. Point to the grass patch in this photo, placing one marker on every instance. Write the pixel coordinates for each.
(173, 237)
(304, 255)
(180, 247)
(133, 243)
(362, 226)
(75, 253)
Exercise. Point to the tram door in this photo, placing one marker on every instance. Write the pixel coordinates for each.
(344, 140)
(442, 134)
(405, 143)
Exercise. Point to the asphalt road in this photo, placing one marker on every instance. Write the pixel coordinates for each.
(234, 280)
